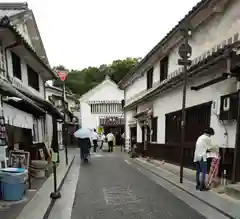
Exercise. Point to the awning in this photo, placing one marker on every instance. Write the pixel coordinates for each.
(45, 104)
(25, 103)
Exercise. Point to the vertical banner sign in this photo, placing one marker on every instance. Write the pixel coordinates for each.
(213, 170)
(62, 74)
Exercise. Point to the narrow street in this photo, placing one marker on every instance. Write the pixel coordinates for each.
(110, 188)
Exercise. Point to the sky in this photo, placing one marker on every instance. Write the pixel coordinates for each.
(83, 33)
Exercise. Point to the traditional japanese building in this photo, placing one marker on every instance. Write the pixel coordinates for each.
(55, 95)
(101, 107)
(153, 90)
(24, 69)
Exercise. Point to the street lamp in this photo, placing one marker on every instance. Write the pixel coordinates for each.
(185, 52)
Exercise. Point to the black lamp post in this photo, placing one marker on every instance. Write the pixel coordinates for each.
(62, 73)
(65, 131)
(185, 52)
(55, 194)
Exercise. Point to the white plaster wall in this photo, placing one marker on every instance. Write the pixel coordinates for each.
(138, 86)
(16, 117)
(156, 72)
(49, 129)
(219, 28)
(172, 101)
(108, 92)
(128, 117)
(90, 120)
(24, 80)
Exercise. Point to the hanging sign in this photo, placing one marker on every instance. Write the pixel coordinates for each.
(62, 74)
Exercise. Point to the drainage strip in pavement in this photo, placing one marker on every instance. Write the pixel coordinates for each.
(226, 207)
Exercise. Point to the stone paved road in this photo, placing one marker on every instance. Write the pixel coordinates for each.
(108, 188)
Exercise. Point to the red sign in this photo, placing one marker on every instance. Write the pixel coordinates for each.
(62, 74)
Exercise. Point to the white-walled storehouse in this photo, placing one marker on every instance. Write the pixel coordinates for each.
(101, 107)
(55, 95)
(153, 91)
(24, 69)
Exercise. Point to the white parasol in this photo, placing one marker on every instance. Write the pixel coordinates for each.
(84, 133)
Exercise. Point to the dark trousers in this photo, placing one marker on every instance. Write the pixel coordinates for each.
(101, 144)
(209, 162)
(110, 146)
(95, 145)
(201, 167)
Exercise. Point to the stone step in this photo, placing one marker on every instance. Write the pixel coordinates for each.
(233, 190)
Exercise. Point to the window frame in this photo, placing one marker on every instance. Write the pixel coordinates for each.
(31, 71)
(16, 65)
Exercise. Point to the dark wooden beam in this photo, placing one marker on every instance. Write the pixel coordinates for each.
(223, 77)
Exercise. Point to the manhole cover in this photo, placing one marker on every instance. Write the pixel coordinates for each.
(118, 196)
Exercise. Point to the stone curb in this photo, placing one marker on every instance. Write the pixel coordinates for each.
(141, 163)
(48, 211)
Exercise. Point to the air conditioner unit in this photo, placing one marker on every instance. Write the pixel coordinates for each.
(226, 104)
(229, 107)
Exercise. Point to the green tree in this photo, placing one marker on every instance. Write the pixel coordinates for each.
(81, 81)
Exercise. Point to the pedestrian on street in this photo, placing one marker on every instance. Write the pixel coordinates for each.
(95, 140)
(110, 139)
(103, 139)
(85, 145)
(203, 146)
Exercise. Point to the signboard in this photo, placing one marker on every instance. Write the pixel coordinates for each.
(213, 170)
(100, 130)
(62, 74)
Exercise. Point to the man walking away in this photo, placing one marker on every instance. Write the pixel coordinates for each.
(110, 139)
(103, 138)
(84, 145)
(203, 146)
(95, 140)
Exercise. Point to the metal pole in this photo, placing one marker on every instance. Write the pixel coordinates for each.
(65, 124)
(183, 122)
(237, 140)
(185, 51)
(55, 194)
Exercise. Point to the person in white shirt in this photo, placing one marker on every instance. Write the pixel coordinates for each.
(103, 138)
(110, 139)
(203, 146)
(95, 140)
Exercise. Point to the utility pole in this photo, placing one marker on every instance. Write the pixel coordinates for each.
(185, 52)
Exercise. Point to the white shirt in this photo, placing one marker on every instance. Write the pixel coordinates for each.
(103, 137)
(95, 136)
(202, 145)
(110, 137)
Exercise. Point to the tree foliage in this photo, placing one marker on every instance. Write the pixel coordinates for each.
(81, 81)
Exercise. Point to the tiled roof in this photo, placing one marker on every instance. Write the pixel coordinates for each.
(13, 5)
(10, 9)
(27, 45)
(207, 56)
(161, 43)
